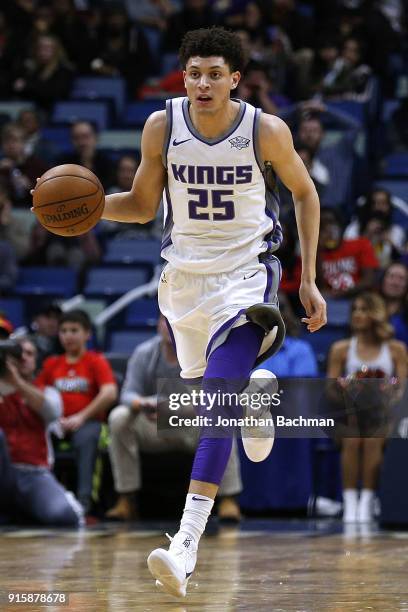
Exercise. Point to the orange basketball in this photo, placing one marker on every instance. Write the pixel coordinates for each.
(68, 200)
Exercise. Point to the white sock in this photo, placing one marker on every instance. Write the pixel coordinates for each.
(367, 496)
(195, 516)
(365, 512)
(350, 501)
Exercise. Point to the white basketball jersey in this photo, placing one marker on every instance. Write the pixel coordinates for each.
(219, 214)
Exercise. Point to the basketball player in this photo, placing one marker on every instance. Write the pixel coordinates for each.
(212, 158)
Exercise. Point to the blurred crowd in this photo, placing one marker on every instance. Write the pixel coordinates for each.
(329, 69)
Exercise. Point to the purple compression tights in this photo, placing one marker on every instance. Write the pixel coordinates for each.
(228, 370)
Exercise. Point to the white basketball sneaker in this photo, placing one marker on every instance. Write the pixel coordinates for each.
(258, 438)
(172, 568)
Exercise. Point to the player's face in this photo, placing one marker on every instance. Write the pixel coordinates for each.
(73, 337)
(208, 81)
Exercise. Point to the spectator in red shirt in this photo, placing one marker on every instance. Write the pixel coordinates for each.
(27, 487)
(345, 267)
(87, 386)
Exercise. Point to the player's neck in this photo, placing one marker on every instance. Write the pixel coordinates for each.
(211, 125)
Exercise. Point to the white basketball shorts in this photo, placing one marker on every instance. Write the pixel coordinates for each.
(201, 309)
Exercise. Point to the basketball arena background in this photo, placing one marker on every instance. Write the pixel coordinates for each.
(78, 80)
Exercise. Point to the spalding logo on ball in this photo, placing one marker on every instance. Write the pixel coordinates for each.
(68, 200)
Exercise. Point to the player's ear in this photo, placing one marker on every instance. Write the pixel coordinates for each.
(235, 79)
(184, 78)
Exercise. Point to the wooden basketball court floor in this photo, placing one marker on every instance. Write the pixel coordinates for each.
(274, 566)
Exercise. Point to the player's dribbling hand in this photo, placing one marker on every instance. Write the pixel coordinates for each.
(314, 305)
(32, 193)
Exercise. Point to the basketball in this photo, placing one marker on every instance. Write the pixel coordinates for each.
(68, 200)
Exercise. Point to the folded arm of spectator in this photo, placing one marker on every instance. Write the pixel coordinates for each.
(108, 394)
(137, 390)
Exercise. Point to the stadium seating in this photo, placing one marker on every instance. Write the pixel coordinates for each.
(137, 112)
(46, 281)
(322, 341)
(13, 108)
(13, 308)
(125, 341)
(395, 165)
(120, 139)
(338, 312)
(143, 312)
(107, 281)
(357, 110)
(71, 111)
(59, 135)
(132, 251)
(95, 88)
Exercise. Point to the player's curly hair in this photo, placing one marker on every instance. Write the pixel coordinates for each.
(216, 41)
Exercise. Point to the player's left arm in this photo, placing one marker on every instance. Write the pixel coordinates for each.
(276, 146)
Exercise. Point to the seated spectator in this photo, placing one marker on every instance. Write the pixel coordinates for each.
(317, 171)
(345, 267)
(350, 76)
(71, 29)
(8, 267)
(84, 140)
(194, 14)
(133, 427)
(34, 143)
(27, 487)
(18, 171)
(123, 50)
(376, 230)
(295, 357)
(87, 386)
(256, 87)
(338, 158)
(52, 250)
(12, 227)
(125, 171)
(378, 203)
(44, 328)
(312, 68)
(46, 75)
(150, 13)
(394, 290)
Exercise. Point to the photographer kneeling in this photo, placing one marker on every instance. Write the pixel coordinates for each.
(27, 487)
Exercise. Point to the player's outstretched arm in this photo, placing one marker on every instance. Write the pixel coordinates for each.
(141, 203)
(277, 147)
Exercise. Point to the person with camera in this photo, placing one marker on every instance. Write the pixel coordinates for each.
(28, 489)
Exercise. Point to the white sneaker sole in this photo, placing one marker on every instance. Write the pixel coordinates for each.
(258, 441)
(167, 573)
